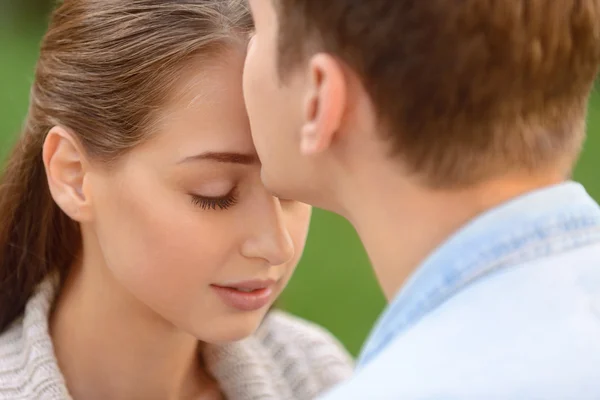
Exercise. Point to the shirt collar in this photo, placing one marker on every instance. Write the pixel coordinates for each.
(512, 233)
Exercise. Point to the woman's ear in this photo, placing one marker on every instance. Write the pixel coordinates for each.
(324, 105)
(65, 165)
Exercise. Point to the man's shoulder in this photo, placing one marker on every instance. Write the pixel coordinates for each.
(530, 331)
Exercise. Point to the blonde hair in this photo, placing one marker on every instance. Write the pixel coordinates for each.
(465, 90)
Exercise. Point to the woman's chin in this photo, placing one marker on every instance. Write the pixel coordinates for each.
(228, 329)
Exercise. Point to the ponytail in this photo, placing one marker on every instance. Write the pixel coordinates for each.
(36, 237)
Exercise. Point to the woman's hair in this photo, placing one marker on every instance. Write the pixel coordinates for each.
(104, 68)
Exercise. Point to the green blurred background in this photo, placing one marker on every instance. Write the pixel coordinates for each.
(334, 285)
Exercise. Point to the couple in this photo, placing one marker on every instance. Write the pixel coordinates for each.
(141, 245)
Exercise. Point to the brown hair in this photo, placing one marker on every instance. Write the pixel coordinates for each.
(465, 90)
(104, 66)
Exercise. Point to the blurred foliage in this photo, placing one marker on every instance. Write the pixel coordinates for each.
(25, 12)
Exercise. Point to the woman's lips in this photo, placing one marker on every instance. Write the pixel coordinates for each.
(246, 296)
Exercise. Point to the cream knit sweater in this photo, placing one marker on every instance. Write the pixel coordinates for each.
(287, 358)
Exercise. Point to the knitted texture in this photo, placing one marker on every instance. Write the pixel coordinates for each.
(287, 358)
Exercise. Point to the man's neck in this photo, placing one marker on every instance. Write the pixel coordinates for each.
(400, 222)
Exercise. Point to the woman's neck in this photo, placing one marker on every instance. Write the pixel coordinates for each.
(109, 346)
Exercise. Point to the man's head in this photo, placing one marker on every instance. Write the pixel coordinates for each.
(453, 92)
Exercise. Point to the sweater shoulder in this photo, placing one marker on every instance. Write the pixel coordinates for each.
(28, 368)
(312, 359)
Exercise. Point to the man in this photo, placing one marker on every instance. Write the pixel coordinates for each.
(444, 132)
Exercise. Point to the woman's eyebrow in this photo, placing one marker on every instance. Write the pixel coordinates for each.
(223, 157)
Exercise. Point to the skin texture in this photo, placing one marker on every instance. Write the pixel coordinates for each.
(130, 319)
(320, 141)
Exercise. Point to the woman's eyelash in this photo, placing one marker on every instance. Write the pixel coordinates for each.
(212, 203)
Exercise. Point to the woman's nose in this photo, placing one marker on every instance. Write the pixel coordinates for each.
(269, 238)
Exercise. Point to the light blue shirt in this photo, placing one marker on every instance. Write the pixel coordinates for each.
(507, 308)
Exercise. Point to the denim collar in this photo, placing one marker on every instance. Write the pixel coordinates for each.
(541, 223)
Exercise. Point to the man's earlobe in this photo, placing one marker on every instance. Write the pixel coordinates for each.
(324, 104)
(65, 162)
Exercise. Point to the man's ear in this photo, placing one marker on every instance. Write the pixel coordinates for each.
(324, 104)
(65, 165)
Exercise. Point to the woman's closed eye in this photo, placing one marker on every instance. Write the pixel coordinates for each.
(215, 202)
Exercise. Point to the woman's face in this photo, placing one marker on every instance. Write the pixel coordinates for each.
(184, 223)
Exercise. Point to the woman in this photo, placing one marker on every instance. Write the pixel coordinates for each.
(139, 251)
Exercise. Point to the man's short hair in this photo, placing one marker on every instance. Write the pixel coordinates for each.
(465, 89)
